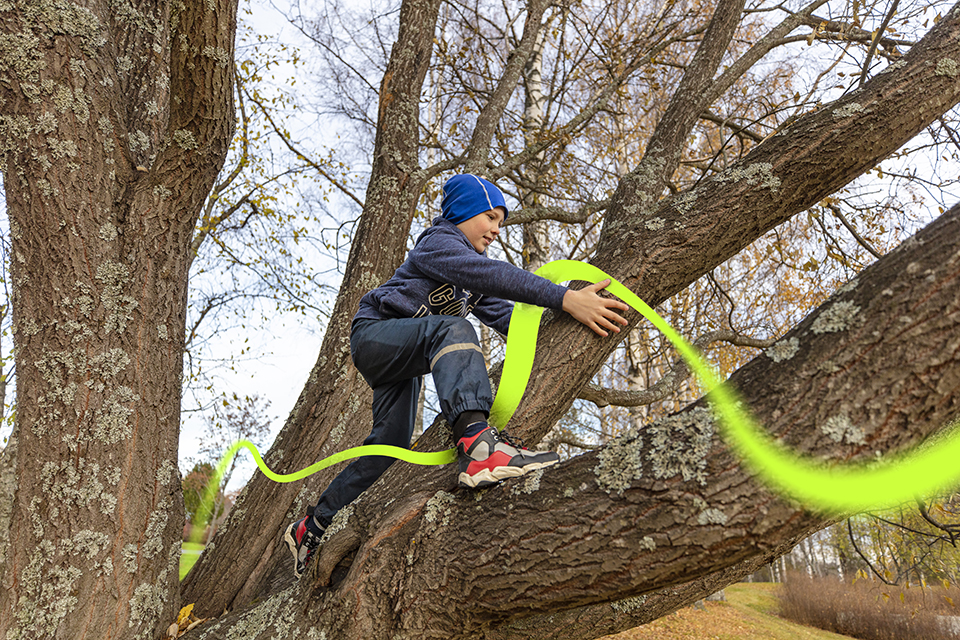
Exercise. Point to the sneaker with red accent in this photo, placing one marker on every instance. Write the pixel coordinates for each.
(302, 538)
(489, 457)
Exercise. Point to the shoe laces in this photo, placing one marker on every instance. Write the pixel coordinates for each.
(513, 441)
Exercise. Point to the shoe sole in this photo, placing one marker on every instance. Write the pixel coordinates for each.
(490, 477)
(291, 541)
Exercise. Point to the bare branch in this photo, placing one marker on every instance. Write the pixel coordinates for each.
(876, 41)
(856, 547)
(852, 33)
(725, 122)
(860, 239)
(668, 384)
(952, 530)
(595, 105)
(774, 38)
(558, 214)
(301, 154)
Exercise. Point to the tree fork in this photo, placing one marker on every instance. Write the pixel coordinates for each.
(668, 244)
(673, 255)
(330, 414)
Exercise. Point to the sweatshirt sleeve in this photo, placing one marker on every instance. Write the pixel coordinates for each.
(448, 258)
(495, 313)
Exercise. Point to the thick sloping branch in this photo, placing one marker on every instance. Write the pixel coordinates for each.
(596, 620)
(665, 506)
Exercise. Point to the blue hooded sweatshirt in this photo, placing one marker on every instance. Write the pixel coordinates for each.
(444, 275)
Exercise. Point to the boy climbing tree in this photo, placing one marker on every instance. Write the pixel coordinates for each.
(415, 323)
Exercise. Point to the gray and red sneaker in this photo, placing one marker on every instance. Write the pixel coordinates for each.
(489, 457)
(302, 538)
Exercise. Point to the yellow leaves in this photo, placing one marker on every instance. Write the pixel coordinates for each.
(185, 622)
(813, 34)
(812, 264)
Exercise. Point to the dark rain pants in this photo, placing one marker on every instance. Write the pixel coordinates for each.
(393, 356)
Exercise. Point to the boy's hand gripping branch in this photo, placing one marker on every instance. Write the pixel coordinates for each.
(593, 310)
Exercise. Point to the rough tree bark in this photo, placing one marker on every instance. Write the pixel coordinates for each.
(114, 120)
(598, 535)
(331, 413)
(657, 247)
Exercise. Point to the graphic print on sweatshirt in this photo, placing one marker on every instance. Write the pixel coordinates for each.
(447, 300)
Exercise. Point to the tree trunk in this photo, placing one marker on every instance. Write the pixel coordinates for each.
(333, 411)
(641, 514)
(111, 138)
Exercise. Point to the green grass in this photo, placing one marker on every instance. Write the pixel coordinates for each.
(190, 551)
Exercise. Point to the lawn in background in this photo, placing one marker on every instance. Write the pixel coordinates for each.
(750, 613)
(189, 552)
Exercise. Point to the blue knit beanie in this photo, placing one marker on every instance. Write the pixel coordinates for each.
(467, 195)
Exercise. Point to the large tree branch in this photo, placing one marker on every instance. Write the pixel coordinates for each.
(679, 239)
(607, 618)
(664, 506)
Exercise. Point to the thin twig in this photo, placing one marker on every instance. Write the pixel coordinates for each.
(876, 41)
(860, 240)
(856, 548)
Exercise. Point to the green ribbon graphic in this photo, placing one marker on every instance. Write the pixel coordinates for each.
(832, 489)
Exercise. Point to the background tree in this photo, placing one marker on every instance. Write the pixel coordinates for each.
(235, 419)
(195, 484)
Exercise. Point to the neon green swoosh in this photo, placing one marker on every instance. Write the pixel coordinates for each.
(838, 488)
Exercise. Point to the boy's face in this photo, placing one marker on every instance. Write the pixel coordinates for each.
(481, 230)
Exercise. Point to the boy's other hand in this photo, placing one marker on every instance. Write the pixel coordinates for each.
(593, 310)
